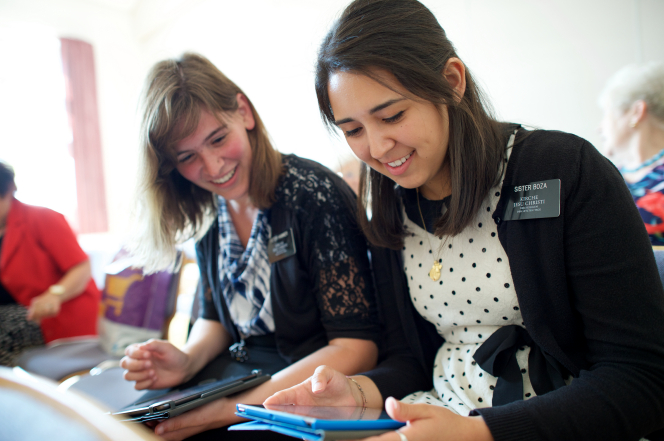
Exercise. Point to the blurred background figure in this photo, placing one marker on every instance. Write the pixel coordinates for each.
(46, 288)
(349, 171)
(633, 134)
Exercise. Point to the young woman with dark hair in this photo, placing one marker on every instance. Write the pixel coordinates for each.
(521, 296)
(284, 268)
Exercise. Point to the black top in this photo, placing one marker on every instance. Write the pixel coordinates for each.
(430, 210)
(5, 297)
(590, 296)
(325, 290)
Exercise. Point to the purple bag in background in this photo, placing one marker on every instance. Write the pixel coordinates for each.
(134, 307)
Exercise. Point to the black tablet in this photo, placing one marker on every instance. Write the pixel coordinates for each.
(175, 402)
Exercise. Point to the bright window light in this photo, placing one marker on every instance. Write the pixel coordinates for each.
(33, 118)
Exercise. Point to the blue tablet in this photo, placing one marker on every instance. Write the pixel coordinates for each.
(317, 422)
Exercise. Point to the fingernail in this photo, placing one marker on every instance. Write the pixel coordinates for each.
(159, 430)
(317, 386)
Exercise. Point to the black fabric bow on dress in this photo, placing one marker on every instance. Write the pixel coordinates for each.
(497, 356)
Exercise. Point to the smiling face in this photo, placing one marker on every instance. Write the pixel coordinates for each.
(217, 155)
(403, 139)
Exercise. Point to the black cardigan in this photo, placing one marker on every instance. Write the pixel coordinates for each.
(589, 293)
(306, 315)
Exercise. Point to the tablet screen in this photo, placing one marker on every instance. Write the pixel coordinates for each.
(319, 417)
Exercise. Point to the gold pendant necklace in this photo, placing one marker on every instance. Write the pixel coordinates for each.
(434, 274)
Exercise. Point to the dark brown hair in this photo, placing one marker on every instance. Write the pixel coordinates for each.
(404, 38)
(6, 178)
(171, 208)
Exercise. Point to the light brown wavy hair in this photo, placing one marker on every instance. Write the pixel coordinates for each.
(171, 209)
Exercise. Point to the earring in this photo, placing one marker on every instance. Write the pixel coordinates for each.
(632, 125)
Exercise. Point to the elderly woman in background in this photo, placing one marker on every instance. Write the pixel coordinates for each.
(633, 133)
(46, 288)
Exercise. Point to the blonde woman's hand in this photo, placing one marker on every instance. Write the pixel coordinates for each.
(155, 364)
(215, 414)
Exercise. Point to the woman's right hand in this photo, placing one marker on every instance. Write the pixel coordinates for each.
(155, 364)
(326, 387)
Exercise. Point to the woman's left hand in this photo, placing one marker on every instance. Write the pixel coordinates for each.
(209, 416)
(44, 306)
(427, 422)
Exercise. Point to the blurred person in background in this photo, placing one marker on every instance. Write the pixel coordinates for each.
(46, 288)
(349, 170)
(633, 133)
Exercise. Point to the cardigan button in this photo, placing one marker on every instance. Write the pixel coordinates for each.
(497, 220)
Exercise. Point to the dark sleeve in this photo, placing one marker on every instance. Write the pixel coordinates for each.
(206, 305)
(204, 255)
(616, 292)
(339, 262)
(409, 343)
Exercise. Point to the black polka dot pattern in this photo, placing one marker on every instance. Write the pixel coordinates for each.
(474, 296)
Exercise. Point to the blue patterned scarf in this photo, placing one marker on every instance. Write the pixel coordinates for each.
(245, 273)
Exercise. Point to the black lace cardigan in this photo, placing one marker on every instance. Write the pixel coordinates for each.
(325, 290)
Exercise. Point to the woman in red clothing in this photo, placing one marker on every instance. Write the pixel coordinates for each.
(46, 289)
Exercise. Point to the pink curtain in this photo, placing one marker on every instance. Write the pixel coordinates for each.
(79, 71)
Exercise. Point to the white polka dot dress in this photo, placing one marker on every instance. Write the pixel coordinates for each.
(473, 298)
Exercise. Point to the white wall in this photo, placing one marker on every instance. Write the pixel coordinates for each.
(542, 62)
(545, 62)
(119, 78)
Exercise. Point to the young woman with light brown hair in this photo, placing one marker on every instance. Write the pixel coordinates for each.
(284, 266)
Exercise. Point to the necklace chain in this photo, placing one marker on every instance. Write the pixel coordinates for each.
(434, 274)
